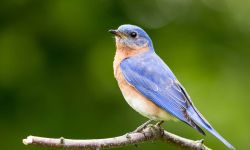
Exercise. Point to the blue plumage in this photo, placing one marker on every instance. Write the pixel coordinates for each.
(149, 75)
(153, 78)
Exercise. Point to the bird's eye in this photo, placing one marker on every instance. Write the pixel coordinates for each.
(133, 34)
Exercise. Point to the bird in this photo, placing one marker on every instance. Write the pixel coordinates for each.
(149, 86)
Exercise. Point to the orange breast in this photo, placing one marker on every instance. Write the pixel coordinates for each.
(134, 98)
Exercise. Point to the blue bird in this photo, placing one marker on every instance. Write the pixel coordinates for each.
(149, 86)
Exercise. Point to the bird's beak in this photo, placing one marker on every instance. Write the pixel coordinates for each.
(115, 32)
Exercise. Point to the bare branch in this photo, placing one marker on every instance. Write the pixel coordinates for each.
(150, 133)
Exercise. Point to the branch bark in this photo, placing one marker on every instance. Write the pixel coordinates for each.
(150, 133)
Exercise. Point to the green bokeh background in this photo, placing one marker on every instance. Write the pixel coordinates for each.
(56, 76)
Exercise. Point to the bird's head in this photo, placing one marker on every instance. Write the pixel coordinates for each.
(132, 37)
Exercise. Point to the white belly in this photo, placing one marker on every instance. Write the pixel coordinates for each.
(145, 107)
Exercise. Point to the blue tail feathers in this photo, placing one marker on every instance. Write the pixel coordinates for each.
(200, 120)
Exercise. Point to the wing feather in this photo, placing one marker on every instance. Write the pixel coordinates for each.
(153, 78)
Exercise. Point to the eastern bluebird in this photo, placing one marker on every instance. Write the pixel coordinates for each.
(149, 86)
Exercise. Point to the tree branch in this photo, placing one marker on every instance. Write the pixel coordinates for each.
(150, 133)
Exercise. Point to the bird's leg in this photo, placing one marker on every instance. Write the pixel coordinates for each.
(141, 127)
(159, 123)
(200, 141)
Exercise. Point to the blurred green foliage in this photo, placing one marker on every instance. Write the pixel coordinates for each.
(56, 76)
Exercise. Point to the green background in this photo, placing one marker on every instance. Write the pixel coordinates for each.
(56, 76)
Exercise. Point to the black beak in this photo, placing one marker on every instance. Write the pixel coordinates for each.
(115, 32)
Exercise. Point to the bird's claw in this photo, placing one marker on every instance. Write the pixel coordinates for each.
(201, 141)
(143, 126)
(159, 123)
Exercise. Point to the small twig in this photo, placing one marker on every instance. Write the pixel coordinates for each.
(150, 133)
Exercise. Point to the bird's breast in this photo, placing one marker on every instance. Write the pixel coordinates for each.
(136, 100)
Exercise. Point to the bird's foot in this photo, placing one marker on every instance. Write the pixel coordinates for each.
(143, 126)
(200, 141)
(159, 123)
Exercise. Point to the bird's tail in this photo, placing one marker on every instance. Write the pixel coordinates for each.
(199, 119)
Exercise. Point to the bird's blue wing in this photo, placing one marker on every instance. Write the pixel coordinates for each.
(153, 78)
